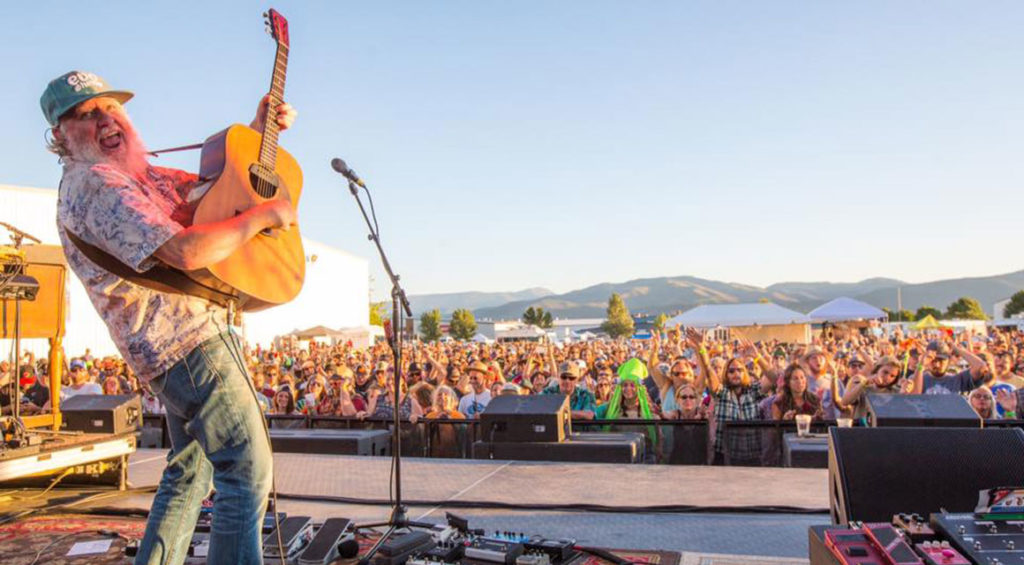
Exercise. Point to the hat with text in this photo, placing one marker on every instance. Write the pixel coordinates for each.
(71, 89)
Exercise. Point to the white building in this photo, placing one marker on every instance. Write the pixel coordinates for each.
(757, 322)
(335, 293)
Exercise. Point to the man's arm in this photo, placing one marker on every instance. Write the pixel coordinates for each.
(587, 408)
(202, 245)
(977, 364)
(653, 366)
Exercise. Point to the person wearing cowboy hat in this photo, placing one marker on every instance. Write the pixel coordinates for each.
(473, 403)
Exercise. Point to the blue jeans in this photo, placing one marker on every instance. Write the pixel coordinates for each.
(217, 430)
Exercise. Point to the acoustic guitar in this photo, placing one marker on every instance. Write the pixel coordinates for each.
(246, 169)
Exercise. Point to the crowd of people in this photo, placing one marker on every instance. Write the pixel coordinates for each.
(675, 375)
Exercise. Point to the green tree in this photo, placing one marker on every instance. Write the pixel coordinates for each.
(538, 317)
(377, 310)
(463, 324)
(901, 316)
(430, 325)
(546, 322)
(659, 322)
(1015, 305)
(966, 308)
(619, 322)
(926, 311)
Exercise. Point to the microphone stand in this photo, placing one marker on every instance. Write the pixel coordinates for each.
(399, 306)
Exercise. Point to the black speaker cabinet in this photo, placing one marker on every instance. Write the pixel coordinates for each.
(335, 442)
(915, 410)
(874, 473)
(102, 413)
(592, 447)
(514, 418)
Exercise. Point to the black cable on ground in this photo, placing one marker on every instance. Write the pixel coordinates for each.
(603, 554)
(578, 507)
(477, 504)
(82, 498)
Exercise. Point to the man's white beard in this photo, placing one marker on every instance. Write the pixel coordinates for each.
(131, 160)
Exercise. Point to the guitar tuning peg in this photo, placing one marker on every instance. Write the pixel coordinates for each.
(266, 15)
(268, 30)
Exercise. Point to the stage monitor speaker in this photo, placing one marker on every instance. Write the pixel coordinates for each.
(874, 473)
(587, 447)
(102, 413)
(331, 441)
(533, 418)
(917, 410)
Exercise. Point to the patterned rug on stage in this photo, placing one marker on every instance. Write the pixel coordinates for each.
(716, 559)
(51, 537)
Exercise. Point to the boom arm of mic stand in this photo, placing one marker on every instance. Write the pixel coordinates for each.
(375, 238)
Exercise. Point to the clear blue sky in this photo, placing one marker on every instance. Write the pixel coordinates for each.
(563, 144)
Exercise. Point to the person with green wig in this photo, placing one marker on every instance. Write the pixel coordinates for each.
(629, 400)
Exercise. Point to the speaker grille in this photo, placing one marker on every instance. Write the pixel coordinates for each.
(877, 472)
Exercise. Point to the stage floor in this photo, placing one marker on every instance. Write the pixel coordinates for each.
(438, 482)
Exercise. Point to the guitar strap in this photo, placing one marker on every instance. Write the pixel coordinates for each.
(159, 277)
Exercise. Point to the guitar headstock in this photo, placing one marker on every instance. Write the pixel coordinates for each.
(277, 26)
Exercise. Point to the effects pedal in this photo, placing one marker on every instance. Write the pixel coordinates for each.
(892, 544)
(936, 553)
(558, 550)
(446, 552)
(988, 541)
(853, 547)
(397, 549)
(323, 548)
(914, 526)
(199, 546)
(419, 560)
(533, 559)
(494, 551)
(296, 532)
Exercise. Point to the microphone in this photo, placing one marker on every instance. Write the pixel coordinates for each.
(340, 166)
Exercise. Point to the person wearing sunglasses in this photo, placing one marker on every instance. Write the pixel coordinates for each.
(603, 387)
(737, 398)
(669, 381)
(581, 401)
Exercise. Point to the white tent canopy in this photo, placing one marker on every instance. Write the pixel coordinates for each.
(845, 310)
(481, 338)
(735, 315)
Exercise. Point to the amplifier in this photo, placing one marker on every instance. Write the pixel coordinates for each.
(594, 447)
(808, 452)
(515, 418)
(331, 441)
(920, 410)
(102, 413)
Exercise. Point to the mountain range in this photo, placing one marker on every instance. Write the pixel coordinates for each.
(449, 302)
(674, 294)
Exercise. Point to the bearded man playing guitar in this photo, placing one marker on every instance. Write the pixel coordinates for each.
(111, 198)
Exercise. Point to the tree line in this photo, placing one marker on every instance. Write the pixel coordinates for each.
(619, 322)
(963, 308)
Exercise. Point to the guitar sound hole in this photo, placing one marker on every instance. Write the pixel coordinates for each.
(263, 181)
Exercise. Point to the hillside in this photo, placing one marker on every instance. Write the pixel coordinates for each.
(671, 294)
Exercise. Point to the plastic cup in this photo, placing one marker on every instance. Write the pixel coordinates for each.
(844, 422)
(803, 425)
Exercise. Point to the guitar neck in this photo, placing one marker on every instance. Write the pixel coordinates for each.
(268, 146)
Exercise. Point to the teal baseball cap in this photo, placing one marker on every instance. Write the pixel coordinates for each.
(71, 89)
